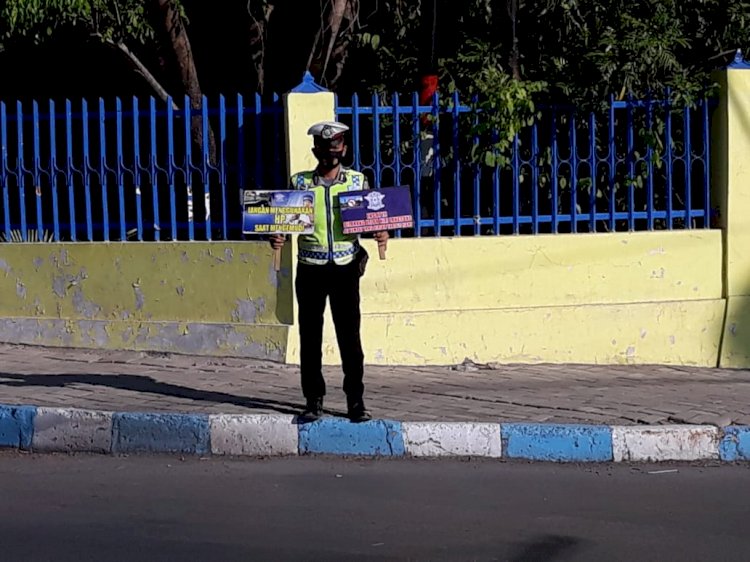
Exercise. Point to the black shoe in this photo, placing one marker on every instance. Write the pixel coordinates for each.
(314, 409)
(357, 411)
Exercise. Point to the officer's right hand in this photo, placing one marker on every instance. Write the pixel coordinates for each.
(277, 241)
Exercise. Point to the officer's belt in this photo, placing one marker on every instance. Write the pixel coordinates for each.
(324, 255)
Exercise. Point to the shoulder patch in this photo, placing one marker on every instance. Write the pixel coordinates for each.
(357, 181)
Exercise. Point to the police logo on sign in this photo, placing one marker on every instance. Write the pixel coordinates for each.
(375, 201)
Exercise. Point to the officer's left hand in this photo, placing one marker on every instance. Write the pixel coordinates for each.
(381, 238)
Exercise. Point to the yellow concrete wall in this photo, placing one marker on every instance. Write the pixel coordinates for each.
(736, 343)
(736, 194)
(191, 297)
(604, 298)
(607, 298)
(731, 188)
(658, 297)
(429, 274)
(677, 332)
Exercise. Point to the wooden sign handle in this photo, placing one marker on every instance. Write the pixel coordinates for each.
(277, 259)
(381, 251)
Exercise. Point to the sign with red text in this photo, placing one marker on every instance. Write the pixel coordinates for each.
(374, 210)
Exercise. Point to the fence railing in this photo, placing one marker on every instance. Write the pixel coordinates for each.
(117, 170)
(637, 165)
(135, 169)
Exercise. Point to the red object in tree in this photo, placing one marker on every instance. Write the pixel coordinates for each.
(428, 87)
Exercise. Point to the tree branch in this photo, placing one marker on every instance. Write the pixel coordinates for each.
(117, 15)
(337, 16)
(141, 69)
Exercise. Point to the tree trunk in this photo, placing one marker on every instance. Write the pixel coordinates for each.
(257, 42)
(330, 47)
(334, 22)
(169, 21)
(515, 55)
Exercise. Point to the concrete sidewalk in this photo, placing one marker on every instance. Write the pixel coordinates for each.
(577, 394)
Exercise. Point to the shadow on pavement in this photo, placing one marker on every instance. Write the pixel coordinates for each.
(138, 383)
(546, 547)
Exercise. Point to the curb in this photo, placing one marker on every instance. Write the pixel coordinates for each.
(70, 430)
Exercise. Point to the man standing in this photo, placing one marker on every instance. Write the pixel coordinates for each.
(330, 264)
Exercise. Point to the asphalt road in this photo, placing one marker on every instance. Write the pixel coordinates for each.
(61, 508)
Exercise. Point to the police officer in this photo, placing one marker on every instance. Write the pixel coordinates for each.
(329, 266)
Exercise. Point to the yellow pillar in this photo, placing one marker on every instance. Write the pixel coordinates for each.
(306, 104)
(731, 189)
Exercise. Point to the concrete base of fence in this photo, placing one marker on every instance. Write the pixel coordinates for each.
(735, 351)
(605, 299)
(619, 298)
(264, 342)
(261, 435)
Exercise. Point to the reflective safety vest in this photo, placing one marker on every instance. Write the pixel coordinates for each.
(328, 243)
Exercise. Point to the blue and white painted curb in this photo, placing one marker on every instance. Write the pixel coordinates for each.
(72, 430)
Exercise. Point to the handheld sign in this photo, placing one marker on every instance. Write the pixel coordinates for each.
(278, 212)
(373, 210)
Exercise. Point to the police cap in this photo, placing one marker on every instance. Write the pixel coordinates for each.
(327, 130)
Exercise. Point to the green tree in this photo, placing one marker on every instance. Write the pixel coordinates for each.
(511, 54)
(128, 27)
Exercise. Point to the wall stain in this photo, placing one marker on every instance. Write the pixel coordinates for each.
(60, 259)
(38, 308)
(83, 306)
(139, 297)
(60, 285)
(247, 310)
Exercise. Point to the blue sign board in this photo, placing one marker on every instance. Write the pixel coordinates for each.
(278, 212)
(373, 210)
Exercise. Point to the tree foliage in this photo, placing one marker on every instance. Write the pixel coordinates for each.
(512, 54)
(509, 54)
(581, 50)
(104, 19)
(124, 26)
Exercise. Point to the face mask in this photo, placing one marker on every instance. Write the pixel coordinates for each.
(329, 157)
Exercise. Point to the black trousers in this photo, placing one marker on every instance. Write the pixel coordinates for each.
(340, 285)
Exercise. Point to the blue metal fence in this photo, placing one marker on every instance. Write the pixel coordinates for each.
(637, 165)
(134, 169)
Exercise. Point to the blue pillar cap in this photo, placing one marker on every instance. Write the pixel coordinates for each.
(308, 85)
(739, 62)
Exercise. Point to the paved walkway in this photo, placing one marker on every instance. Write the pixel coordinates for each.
(134, 381)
